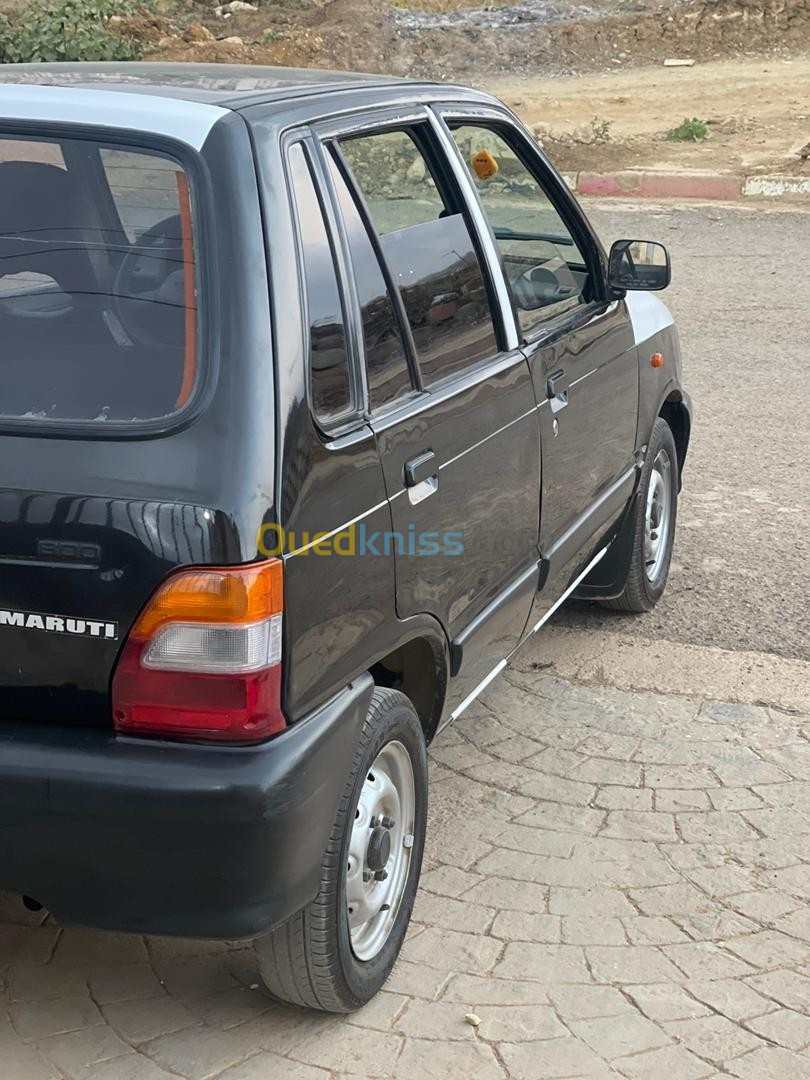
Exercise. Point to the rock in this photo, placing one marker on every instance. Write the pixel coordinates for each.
(236, 42)
(237, 6)
(197, 34)
(674, 62)
(473, 1020)
(416, 171)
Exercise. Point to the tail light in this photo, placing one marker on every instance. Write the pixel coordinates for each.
(203, 659)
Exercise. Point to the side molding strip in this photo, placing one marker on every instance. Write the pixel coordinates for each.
(470, 698)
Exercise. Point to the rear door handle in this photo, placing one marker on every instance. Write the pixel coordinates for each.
(422, 477)
(420, 468)
(557, 390)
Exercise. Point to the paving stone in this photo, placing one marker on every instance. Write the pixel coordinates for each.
(717, 924)
(380, 1012)
(716, 827)
(674, 800)
(521, 926)
(476, 991)
(713, 1037)
(131, 1067)
(545, 963)
(592, 930)
(588, 902)
(124, 982)
(796, 924)
(74, 1054)
(33, 1021)
(519, 1023)
(139, 1021)
(734, 798)
(674, 776)
(769, 1063)
(426, 1059)
(638, 825)
(416, 980)
(510, 895)
(566, 819)
(268, 1066)
(197, 1052)
(664, 1001)
(21, 1062)
(435, 1020)
(230, 1008)
(783, 1026)
(536, 841)
(448, 881)
(672, 1062)
(787, 987)
(588, 1002)
(452, 914)
(652, 930)
(36, 982)
(670, 899)
(612, 1039)
(770, 949)
(549, 1060)
(83, 948)
(453, 950)
(731, 997)
(194, 976)
(27, 945)
(642, 964)
(705, 960)
(624, 798)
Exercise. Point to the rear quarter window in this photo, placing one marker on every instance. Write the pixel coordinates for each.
(98, 283)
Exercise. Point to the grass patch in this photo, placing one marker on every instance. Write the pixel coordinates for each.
(61, 30)
(693, 130)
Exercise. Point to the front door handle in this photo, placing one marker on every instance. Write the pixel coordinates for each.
(557, 390)
(422, 477)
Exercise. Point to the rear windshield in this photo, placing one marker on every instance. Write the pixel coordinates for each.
(97, 282)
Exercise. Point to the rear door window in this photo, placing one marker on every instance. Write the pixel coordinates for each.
(98, 287)
(428, 246)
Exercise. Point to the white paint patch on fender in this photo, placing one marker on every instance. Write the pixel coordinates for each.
(648, 315)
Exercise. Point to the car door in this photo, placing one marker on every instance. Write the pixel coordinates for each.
(578, 342)
(455, 415)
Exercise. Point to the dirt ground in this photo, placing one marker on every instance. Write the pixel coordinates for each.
(758, 113)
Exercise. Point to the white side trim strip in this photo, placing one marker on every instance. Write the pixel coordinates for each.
(340, 528)
(486, 438)
(582, 378)
(470, 698)
(569, 590)
(648, 315)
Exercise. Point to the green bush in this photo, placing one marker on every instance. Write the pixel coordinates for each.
(48, 30)
(693, 130)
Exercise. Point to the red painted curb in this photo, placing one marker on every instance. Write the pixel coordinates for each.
(652, 185)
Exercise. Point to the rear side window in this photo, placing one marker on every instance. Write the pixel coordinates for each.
(98, 287)
(428, 246)
(328, 355)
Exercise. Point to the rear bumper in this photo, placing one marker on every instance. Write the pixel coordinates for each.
(174, 838)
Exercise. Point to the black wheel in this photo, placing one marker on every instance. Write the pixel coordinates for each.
(337, 953)
(656, 514)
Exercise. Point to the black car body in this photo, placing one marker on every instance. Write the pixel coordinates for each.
(257, 316)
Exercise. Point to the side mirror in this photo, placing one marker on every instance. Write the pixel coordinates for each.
(638, 265)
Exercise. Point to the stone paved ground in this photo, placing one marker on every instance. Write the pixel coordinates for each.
(616, 884)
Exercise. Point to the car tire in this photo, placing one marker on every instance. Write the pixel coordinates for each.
(316, 959)
(656, 513)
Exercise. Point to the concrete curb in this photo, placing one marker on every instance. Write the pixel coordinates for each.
(686, 185)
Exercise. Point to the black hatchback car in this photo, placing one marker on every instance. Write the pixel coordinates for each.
(318, 396)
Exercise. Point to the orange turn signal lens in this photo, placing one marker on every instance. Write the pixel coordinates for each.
(240, 594)
(657, 360)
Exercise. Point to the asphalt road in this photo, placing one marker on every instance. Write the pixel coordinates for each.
(741, 298)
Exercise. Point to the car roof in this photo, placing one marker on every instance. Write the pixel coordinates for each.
(226, 85)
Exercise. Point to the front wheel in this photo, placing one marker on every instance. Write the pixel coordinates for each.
(656, 513)
(337, 953)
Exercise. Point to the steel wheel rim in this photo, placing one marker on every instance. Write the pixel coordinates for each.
(658, 515)
(388, 803)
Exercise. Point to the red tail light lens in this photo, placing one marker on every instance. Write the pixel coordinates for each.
(204, 658)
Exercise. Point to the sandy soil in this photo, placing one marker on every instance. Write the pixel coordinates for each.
(759, 114)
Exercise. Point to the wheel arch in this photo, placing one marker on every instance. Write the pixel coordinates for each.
(418, 666)
(674, 410)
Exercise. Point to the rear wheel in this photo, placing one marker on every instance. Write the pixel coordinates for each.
(337, 953)
(656, 513)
